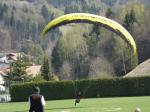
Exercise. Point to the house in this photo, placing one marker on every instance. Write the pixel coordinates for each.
(2, 75)
(9, 57)
(141, 70)
(6, 59)
(33, 70)
(2, 88)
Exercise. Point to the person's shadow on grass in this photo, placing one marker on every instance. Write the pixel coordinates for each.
(64, 108)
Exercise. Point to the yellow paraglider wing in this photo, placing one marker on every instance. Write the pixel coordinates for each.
(91, 18)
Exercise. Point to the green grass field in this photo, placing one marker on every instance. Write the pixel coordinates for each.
(122, 104)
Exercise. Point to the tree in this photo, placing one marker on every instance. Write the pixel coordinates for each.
(18, 70)
(1, 11)
(65, 71)
(109, 2)
(12, 18)
(72, 9)
(45, 13)
(129, 20)
(38, 78)
(109, 13)
(73, 49)
(92, 39)
(34, 50)
(100, 68)
(126, 23)
(45, 70)
(5, 42)
(5, 8)
(132, 16)
(57, 61)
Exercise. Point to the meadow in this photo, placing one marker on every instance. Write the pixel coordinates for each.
(115, 104)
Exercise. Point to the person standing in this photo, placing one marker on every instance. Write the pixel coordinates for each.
(36, 101)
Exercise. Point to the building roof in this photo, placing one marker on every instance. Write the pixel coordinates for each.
(33, 70)
(142, 69)
(9, 57)
(2, 73)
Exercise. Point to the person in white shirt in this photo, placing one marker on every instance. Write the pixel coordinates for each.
(36, 101)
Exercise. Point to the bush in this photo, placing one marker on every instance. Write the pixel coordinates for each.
(137, 86)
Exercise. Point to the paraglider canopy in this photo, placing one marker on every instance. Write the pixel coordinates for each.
(91, 18)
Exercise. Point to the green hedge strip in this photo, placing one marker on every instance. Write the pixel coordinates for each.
(138, 86)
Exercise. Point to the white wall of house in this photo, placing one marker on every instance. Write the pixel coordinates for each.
(1, 79)
(2, 88)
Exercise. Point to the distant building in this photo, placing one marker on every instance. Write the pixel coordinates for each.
(2, 75)
(2, 88)
(34, 70)
(141, 70)
(7, 58)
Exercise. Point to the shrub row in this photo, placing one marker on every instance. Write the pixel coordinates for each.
(138, 86)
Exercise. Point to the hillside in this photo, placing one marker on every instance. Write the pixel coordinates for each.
(142, 69)
(81, 50)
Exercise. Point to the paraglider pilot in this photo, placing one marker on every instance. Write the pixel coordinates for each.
(77, 97)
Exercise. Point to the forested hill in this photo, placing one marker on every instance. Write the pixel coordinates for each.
(21, 22)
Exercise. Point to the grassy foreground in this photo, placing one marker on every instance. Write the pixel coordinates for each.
(122, 104)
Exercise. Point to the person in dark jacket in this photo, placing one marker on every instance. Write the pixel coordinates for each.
(36, 101)
(77, 97)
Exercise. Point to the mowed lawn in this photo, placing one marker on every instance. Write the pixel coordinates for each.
(121, 104)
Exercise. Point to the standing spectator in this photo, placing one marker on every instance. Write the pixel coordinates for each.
(36, 101)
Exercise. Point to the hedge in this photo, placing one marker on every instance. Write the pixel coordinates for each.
(52, 90)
